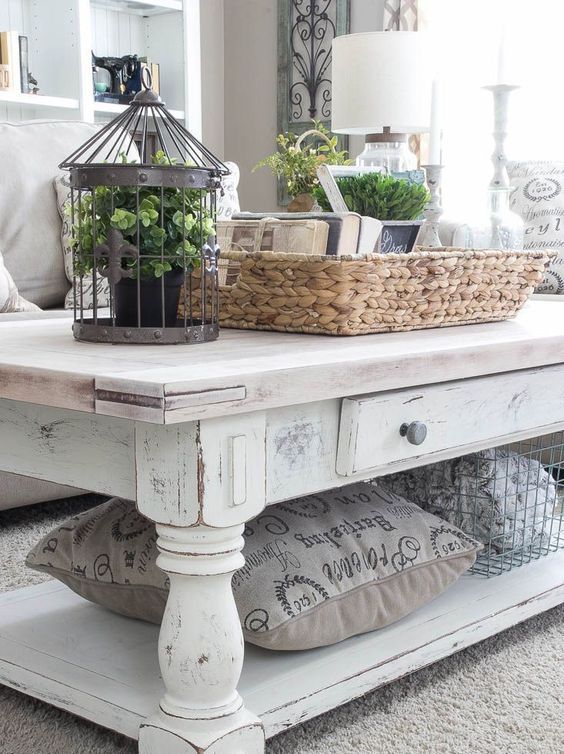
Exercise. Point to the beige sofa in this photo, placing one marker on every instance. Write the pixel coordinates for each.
(30, 229)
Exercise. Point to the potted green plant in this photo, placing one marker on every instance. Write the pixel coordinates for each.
(297, 160)
(166, 227)
(396, 202)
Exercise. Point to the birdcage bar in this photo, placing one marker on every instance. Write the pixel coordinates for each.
(153, 258)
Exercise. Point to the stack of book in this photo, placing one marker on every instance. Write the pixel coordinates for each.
(346, 232)
(332, 233)
(14, 65)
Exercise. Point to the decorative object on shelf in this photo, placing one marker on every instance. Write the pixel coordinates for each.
(393, 558)
(10, 57)
(538, 198)
(145, 221)
(33, 84)
(369, 104)
(296, 163)
(305, 33)
(429, 234)
(372, 293)
(397, 203)
(121, 72)
(4, 78)
(500, 228)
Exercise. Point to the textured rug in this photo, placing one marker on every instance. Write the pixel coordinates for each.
(501, 696)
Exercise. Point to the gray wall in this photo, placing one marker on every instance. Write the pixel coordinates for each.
(213, 75)
(250, 89)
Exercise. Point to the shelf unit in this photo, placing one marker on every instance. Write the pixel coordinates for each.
(63, 33)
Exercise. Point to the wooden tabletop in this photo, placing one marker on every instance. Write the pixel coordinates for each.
(41, 363)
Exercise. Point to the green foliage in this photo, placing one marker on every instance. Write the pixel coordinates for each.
(379, 195)
(297, 166)
(169, 224)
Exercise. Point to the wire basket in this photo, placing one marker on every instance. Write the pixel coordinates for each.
(510, 498)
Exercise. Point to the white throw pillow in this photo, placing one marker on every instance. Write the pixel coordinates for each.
(30, 227)
(10, 299)
(539, 199)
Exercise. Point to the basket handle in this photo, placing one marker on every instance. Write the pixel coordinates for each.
(313, 132)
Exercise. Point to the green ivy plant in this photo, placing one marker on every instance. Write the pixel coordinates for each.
(170, 225)
(379, 195)
(297, 166)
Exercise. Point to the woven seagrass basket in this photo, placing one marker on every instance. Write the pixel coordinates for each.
(374, 293)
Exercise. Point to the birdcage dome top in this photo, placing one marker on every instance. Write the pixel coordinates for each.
(144, 145)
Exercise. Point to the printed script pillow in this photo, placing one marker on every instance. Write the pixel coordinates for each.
(63, 193)
(539, 199)
(318, 569)
(10, 299)
(228, 198)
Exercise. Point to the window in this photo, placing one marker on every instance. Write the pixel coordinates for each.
(480, 42)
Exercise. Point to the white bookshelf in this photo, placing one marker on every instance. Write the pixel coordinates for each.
(63, 33)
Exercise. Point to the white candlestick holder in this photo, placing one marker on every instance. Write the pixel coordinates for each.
(429, 235)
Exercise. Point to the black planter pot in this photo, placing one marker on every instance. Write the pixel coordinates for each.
(398, 236)
(149, 295)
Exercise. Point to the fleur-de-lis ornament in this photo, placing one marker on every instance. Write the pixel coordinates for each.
(113, 251)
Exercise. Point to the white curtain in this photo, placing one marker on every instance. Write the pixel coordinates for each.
(400, 15)
(467, 36)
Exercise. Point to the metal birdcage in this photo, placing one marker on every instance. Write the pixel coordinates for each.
(142, 211)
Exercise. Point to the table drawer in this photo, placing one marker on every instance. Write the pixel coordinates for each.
(390, 429)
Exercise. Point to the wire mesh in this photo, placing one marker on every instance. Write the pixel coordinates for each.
(510, 498)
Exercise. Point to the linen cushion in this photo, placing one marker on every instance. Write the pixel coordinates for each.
(318, 569)
(228, 198)
(29, 222)
(63, 193)
(10, 299)
(539, 199)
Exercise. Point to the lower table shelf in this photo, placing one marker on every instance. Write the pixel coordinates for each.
(100, 666)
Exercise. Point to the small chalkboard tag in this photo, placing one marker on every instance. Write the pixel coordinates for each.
(399, 236)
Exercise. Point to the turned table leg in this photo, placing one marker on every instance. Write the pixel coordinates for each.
(201, 649)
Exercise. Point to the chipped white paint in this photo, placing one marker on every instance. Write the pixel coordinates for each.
(454, 413)
(200, 648)
(184, 471)
(110, 674)
(39, 362)
(204, 437)
(67, 446)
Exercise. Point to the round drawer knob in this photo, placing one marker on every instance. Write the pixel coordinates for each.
(415, 432)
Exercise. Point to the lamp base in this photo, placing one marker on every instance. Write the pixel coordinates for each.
(387, 150)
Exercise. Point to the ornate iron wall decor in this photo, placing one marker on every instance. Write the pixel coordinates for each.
(306, 29)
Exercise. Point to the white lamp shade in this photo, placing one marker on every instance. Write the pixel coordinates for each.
(381, 79)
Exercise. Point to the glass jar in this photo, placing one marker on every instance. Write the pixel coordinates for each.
(498, 228)
(394, 154)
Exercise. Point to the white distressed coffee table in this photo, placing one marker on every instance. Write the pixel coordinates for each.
(203, 437)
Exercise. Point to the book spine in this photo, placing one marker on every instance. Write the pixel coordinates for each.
(6, 75)
(14, 43)
(24, 64)
(156, 75)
